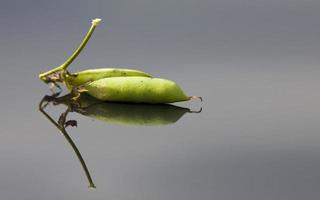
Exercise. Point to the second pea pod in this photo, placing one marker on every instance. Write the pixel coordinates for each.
(126, 85)
(136, 90)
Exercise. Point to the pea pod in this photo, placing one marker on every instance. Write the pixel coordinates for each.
(82, 77)
(137, 90)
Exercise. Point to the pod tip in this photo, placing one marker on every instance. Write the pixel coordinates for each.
(96, 21)
(196, 97)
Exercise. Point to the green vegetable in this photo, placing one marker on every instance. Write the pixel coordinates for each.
(111, 84)
(137, 90)
(83, 77)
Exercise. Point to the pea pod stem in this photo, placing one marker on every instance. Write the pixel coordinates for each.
(64, 66)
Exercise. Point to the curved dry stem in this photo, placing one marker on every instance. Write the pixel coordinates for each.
(64, 66)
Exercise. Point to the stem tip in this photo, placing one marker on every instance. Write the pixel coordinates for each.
(96, 21)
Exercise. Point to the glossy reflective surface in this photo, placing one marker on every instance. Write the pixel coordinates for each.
(110, 112)
(257, 136)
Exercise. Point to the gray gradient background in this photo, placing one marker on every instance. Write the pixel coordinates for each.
(255, 62)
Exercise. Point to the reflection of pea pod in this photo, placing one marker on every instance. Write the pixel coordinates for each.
(82, 102)
(90, 75)
(137, 90)
(125, 113)
(135, 114)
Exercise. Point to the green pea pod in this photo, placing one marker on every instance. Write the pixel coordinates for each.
(137, 90)
(82, 77)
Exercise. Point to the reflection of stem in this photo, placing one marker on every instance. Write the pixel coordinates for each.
(62, 129)
(64, 66)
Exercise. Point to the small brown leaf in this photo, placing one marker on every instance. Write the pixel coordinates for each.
(72, 123)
